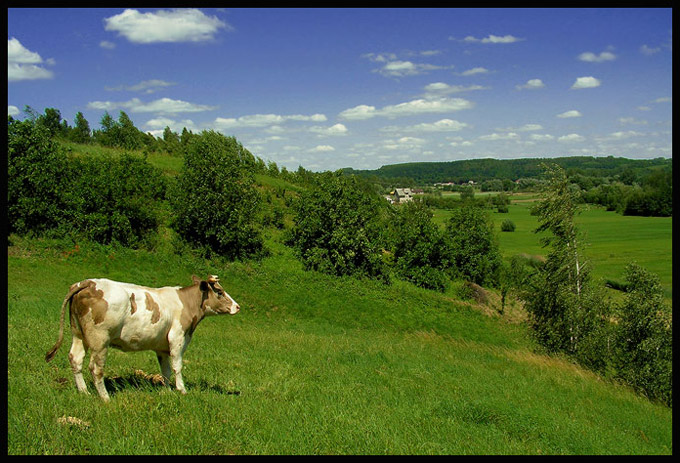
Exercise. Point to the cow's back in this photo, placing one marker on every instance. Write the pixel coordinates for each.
(131, 317)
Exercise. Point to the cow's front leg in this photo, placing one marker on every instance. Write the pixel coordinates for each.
(166, 369)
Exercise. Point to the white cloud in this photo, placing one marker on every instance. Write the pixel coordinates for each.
(106, 44)
(586, 82)
(22, 64)
(572, 137)
(591, 57)
(500, 136)
(146, 86)
(438, 89)
(631, 121)
(162, 105)
(541, 137)
(443, 125)
(407, 68)
(492, 39)
(622, 135)
(473, 71)
(12, 110)
(337, 129)
(177, 25)
(524, 128)
(264, 120)
(532, 84)
(409, 108)
(570, 113)
(321, 149)
(645, 50)
(665, 99)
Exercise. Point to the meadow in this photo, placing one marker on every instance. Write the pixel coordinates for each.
(312, 364)
(611, 240)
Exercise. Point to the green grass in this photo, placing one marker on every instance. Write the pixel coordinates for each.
(311, 364)
(612, 240)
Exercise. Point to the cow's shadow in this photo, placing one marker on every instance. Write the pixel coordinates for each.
(146, 382)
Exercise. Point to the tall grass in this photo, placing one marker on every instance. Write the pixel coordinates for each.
(311, 364)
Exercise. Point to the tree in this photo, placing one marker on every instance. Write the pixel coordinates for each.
(37, 173)
(127, 136)
(472, 246)
(336, 229)
(419, 248)
(215, 201)
(645, 336)
(557, 302)
(81, 132)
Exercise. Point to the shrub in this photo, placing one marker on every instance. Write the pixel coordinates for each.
(472, 246)
(508, 225)
(645, 336)
(114, 199)
(215, 201)
(36, 175)
(336, 230)
(419, 248)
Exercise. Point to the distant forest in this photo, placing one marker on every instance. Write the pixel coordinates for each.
(479, 170)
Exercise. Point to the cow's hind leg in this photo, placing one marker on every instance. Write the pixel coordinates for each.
(97, 361)
(76, 357)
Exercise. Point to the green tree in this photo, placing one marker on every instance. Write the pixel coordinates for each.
(81, 132)
(215, 201)
(127, 135)
(645, 336)
(336, 228)
(557, 303)
(472, 245)
(419, 248)
(37, 174)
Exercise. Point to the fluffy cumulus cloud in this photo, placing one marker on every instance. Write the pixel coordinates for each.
(177, 25)
(570, 113)
(591, 57)
(162, 106)
(334, 130)
(571, 138)
(409, 108)
(473, 71)
(532, 84)
(586, 82)
(23, 64)
(12, 110)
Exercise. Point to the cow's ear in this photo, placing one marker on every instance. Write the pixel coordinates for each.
(204, 286)
(195, 279)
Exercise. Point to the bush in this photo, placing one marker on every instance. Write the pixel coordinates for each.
(508, 225)
(336, 230)
(419, 248)
(37, 171)
(215, 201)
(114, 199)
(645, 336)
(472, 246)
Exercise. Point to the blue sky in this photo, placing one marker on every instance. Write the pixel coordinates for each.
(333, 88)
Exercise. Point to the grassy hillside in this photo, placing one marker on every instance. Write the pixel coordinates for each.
(312, 364)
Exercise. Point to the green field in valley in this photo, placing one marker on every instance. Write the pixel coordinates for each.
(612, 240)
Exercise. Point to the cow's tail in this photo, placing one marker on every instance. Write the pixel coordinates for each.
(72, 292)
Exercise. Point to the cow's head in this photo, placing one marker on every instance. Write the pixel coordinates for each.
(215, 300)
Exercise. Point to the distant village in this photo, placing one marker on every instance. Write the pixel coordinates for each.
(404, 195)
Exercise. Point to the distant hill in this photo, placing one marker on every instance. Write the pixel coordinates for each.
(485, 169)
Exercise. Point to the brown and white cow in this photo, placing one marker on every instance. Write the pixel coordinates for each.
(130, 317)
